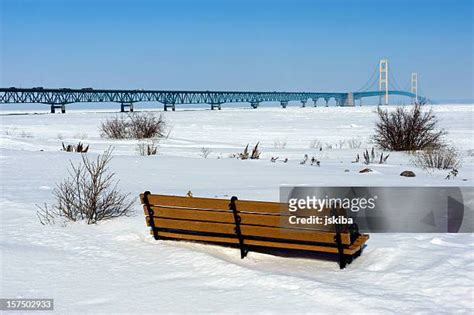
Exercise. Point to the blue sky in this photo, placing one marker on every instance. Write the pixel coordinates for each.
(236, 45)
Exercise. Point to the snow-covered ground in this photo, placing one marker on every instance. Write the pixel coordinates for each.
(116, 266)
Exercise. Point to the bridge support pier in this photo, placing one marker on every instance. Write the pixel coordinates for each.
(327, 101)
(216, 105)
(125, 105)
(284, 104)
(349, 101)
(303, 103)
(61, 106)
(254, 104)
(168, 105)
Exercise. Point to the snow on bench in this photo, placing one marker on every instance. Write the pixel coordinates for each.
(249, 225)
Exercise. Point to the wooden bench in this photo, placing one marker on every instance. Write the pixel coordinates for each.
(248, 225)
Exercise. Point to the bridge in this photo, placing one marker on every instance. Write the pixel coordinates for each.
(59, 98)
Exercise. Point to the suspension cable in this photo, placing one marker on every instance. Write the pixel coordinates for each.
(395, 83)
(369, 82)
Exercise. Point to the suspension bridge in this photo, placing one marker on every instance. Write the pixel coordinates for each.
(382, 86)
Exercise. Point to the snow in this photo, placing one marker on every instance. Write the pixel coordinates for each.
(116, 266)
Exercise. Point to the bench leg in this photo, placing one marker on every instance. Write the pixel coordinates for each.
(243, 249)
(340, 249)
(150, 215)
(349, 259)
(340, 246)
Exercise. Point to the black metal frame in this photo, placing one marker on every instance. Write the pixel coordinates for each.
(338, 240)
(151, 219)
(237, 219)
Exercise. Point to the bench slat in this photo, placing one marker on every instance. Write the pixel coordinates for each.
(226, 216)
(187, 202)
(359, 242)
(249, 230)
(223, 216)
(213, 239)
(215, 204)
(261, 206)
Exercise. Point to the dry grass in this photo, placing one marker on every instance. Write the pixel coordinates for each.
(79, 148)
(315, 144)
(443, 158)
(279, 144)
(205, 152)
(246, 154)
(147, 148)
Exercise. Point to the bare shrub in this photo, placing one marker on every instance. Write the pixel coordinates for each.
(315, 144)
(134, 126)
(89, 194)
(279, 144)
(115, 128)
(407, 129)
(146, 125)
(205, 152)
(442, 158)
(147, 148)
(47, 215)
(79, 148)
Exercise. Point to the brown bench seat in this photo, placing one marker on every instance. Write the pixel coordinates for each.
(242, 223)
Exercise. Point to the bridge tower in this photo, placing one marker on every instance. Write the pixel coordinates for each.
(414, 85)
(349, 101)
(383, 80)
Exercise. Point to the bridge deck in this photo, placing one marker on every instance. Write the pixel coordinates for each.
(67, 96)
